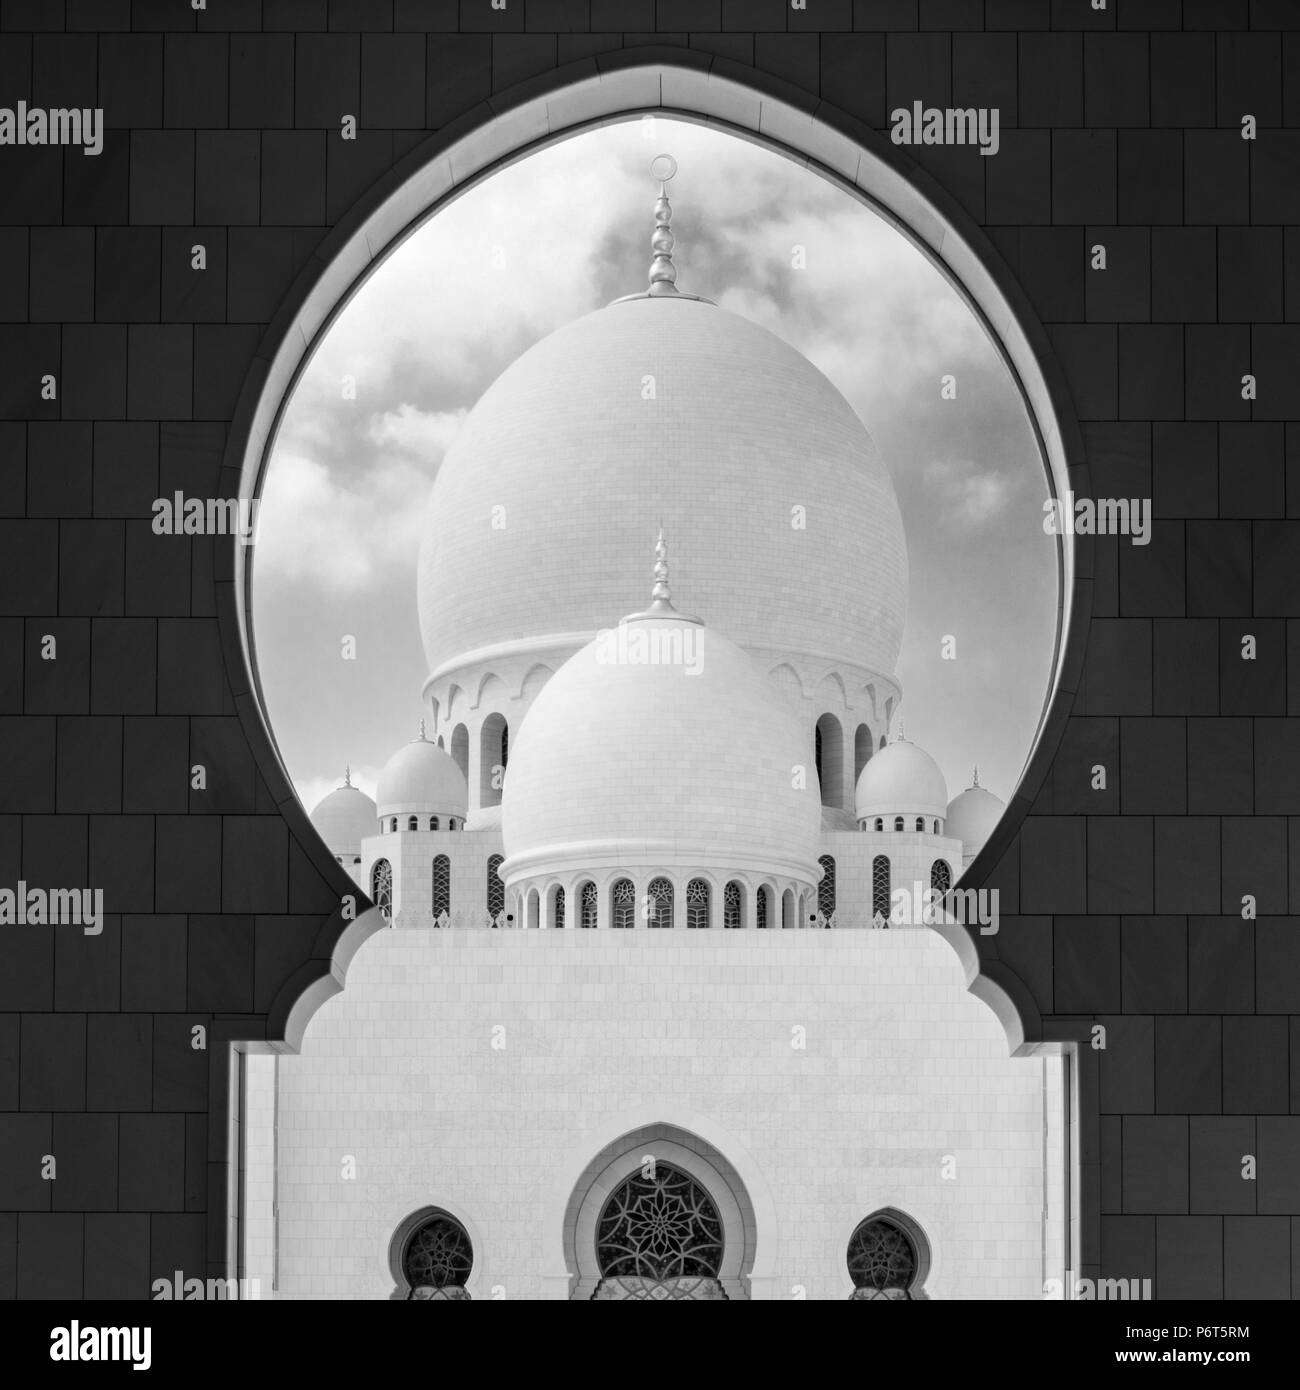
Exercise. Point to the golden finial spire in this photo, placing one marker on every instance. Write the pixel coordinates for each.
(347, 774)
(663, 274)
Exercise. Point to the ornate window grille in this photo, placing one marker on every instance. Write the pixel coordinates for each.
(882, 1261)
(559, 907)
(588, 905)
(659, 1227)
(381, 888)
(880, 886)
(438, 1258)
(761, 909)
(505, 746)
(826, 888)
(441, 885)
(496, 890)
(622, 899)
(732, 901)
(660, 894)
(697, 903)
(940, 876)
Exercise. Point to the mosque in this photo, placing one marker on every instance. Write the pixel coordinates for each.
(524, 1090)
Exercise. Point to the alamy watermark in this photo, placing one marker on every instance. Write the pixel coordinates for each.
(920, 906)
(179, 515)
(652, 644)
(1099, 516)
(55, 907)
(35, 125)
(953, 125)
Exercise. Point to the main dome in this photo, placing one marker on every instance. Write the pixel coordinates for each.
(664, 410)
(623, 761)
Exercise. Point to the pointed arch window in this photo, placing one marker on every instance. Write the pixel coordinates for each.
(659, 903)
(884, 1261)
(381, 888)
(438, 1260)
(880, 886)
(589, 900)
(826, 888)
(622, 903)
(697, 903)
(659, 1237)
(762, 908)
(559, 907)
(940, 876)
(496, 890)
(441, 885)
(732, 905)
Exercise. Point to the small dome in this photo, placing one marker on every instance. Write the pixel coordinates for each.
(344, 818)
(629, 759)
(421, 777)
(901, 779)
(972, 817)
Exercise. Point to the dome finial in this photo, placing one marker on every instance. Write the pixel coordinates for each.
(902, 735)
(347, 774)
(663, 274)
(661, 593)
(976, 782)
(422, 738)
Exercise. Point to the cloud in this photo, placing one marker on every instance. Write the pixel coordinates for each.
(340, 535)
(313, 790)
(966, 493)
(425, 433)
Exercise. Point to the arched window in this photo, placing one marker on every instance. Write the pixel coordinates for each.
(829, 743)
(588, 898)
(826, 888)
(559, 907)
(883, 1260)
(622, 904)
(460, 749)
(659, 1237)
(441, 885)
(880, 886)
(788, 909)
(433, 822)
(393, 827)
(861, 751)
(493, 745)
(920, 824)
(898, 822)
(940, 876)
(762, 908)
(381, 887)
(659, 903)
(496, 890)
(437, 1259)
(412, 822)
(697, 903)
(732, 905)
(880, 822)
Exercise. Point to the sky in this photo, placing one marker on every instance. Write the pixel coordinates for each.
(545, 240)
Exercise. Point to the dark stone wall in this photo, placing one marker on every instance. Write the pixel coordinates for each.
(1120, 126)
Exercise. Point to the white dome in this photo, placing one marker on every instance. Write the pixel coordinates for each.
(421, 777)
(624, 763)
(344, 818)
(742, 429)
(901, 779)
(972, 817)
